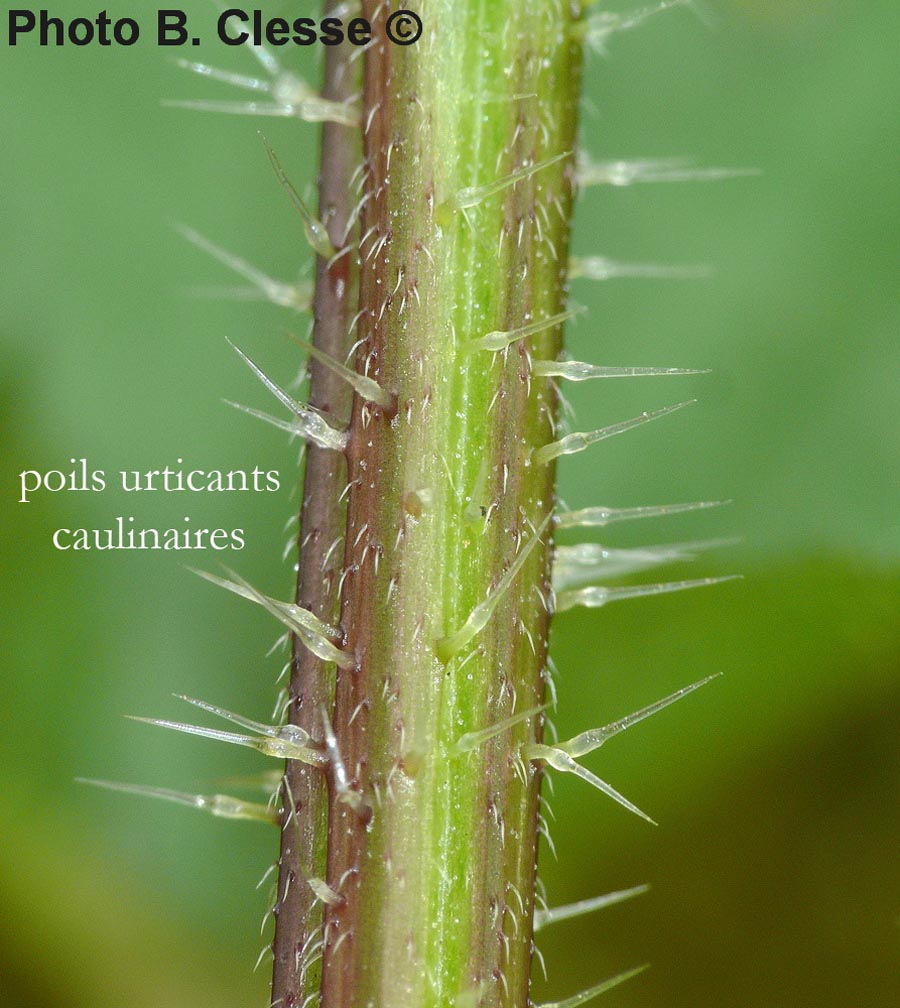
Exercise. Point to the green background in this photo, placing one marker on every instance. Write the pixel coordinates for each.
(774, 870)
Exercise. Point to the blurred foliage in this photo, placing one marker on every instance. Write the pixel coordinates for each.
(774, 870)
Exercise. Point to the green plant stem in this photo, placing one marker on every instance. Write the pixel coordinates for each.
(445, 591)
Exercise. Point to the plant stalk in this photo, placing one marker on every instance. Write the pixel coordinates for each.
(424, 825)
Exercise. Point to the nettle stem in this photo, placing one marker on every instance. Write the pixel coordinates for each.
(407, 867)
